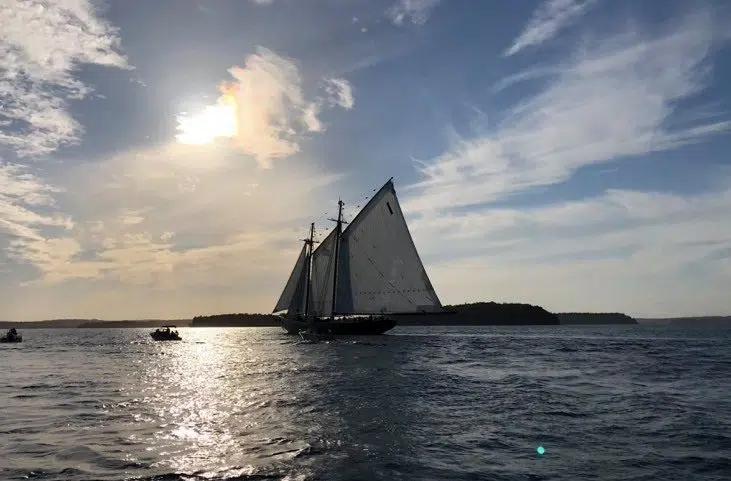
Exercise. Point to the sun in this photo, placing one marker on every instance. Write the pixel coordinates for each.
(214, 121)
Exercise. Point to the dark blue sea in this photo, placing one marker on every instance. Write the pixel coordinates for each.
(608, 403)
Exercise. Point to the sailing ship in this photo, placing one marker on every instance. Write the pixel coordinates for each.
(359, 277)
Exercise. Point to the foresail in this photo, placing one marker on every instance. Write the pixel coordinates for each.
(294, 281)
(321, 280)
(380, 270)
(297, 304)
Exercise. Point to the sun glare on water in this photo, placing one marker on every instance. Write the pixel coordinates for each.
(213, 122)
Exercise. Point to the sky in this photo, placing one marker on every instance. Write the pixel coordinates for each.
(163, 159)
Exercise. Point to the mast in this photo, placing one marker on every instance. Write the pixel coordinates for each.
(338, 231)
(310, 243)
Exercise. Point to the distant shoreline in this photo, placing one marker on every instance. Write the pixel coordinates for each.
(696, 321)
(473, 314)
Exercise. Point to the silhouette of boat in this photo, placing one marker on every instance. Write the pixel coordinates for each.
(359, 277)
(166, 333)
(11, 336)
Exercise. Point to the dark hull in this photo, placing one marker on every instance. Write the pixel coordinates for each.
(339, 327)
(9, 340)
(164, 337)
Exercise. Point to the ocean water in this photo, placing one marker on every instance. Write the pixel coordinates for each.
(610, 403)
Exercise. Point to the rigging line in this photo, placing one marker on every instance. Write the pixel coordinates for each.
(348, 211)
(358, 201)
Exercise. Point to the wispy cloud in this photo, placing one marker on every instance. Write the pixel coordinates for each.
(341, 92)
(264, 108)
(416, 11)
(41, 43)
(547, 21)
(614, 98)
(21, 193)
(23, 199)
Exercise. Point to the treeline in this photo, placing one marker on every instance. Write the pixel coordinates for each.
(125, 324)
(479, 313)
(476, 314)
(482, 314)
(49, 324)
(236, 320)
(699, 321)
(595, 318)
(91, 324)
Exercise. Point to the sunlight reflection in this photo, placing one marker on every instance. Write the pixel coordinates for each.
(190, 398)
(217, 398)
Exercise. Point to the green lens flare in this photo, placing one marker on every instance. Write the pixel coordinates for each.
(540, 449)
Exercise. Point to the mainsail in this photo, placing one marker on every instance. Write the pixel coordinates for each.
(292, 297)
(380, 270)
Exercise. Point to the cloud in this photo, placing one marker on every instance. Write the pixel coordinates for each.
(131, 217)
(156, 264)
(270, 105)
(612, 99)
(23, 198)
(547, 21)
(40, 46)
(264, 109)
(417, 11)
(341, 93)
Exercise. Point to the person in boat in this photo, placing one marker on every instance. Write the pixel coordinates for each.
(11, 335)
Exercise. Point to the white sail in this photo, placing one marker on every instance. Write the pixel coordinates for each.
(380, 270)
(294, 289)
(321, 280)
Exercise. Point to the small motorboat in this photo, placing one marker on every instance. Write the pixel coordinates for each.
(166, 333)
(12, 336)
